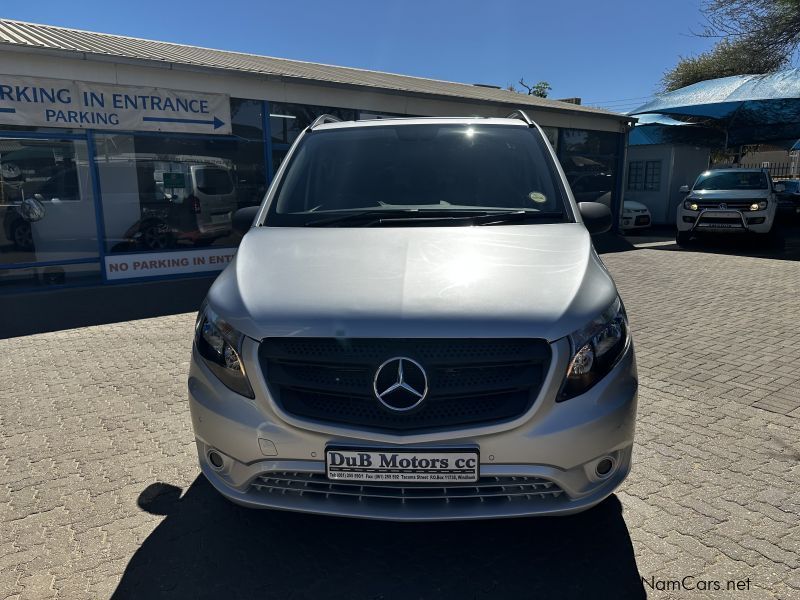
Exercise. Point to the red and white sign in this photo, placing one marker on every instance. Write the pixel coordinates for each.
(156, 264)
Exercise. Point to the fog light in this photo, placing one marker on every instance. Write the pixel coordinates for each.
(604, 467)
(216, 460)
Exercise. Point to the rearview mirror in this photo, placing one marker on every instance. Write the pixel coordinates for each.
(684, 189)
(596, 217)
(243, 219)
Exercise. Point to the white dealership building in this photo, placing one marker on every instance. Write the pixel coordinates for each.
(121, 158)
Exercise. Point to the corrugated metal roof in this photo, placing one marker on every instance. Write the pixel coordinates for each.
(49, 37)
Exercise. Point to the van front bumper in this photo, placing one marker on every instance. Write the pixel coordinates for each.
(543, 464)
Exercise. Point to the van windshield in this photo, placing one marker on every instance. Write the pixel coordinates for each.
(732, 180)
(418, 172)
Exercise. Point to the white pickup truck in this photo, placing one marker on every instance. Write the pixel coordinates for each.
(725, 201)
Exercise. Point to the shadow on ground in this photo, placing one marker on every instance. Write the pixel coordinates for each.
(727, 244)
(209, 548)
(607, 243)
(67, 308)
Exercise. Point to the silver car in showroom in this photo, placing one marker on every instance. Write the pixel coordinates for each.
(416, 326)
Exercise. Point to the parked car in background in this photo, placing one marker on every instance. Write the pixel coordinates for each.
(789, 201)
(635, 215)
(727, 201)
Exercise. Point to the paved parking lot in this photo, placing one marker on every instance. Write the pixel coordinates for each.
(100, 494)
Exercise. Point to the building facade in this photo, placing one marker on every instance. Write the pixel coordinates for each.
(656, 173)
(123, 159)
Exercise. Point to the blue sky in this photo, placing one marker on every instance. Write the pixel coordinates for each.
(609, 53)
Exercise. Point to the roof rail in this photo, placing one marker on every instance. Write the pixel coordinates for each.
(322, 119)
(520, 114)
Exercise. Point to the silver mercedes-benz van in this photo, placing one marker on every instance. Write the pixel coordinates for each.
(416, 327)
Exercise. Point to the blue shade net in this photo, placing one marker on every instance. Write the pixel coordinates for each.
(745, 109)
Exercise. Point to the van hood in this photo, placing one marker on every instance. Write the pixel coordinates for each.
(542, 281)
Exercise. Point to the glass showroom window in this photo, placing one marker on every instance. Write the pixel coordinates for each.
(589, 159)
(277, 159)
(288, 120)
(163, 192)
(552, 136)
(47, 210)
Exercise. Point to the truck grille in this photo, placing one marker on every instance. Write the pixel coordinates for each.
(741, 204)
(470, 381)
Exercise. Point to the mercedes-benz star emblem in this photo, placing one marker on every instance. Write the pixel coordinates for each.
(400, 384)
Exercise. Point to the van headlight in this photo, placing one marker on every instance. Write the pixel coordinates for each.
(220, 346)
(596, 349)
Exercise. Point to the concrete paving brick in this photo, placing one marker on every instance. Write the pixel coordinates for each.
(91, 417)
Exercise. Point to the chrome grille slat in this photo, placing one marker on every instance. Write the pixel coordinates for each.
(741, 203)
(485, 482)
(405, 498)
(486, 489)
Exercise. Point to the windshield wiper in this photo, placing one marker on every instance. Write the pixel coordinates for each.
(373, 217)
(425, 217)
(513, 216)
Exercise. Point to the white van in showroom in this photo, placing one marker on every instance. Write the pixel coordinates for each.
(726, 201)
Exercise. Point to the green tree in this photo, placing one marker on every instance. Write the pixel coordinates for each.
(754, 37)
(540, 89)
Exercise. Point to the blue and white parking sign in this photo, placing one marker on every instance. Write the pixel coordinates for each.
(39, 102)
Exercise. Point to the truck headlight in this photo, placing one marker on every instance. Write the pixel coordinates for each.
(596, 349)
(220, 346)
(758, 205)
(691, 205)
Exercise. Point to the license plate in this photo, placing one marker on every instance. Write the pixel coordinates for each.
(724, 215)
(402, 465)
(720, 225)
(216, 219)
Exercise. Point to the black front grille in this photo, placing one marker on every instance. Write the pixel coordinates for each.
(470, 381)
(316, 486)
(742, 204)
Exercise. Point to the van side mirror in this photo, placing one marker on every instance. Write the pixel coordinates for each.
(684, 189)
(243, 219)
(596, 216)
(780, 188)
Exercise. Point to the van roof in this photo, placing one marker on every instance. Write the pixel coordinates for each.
(420, 121)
